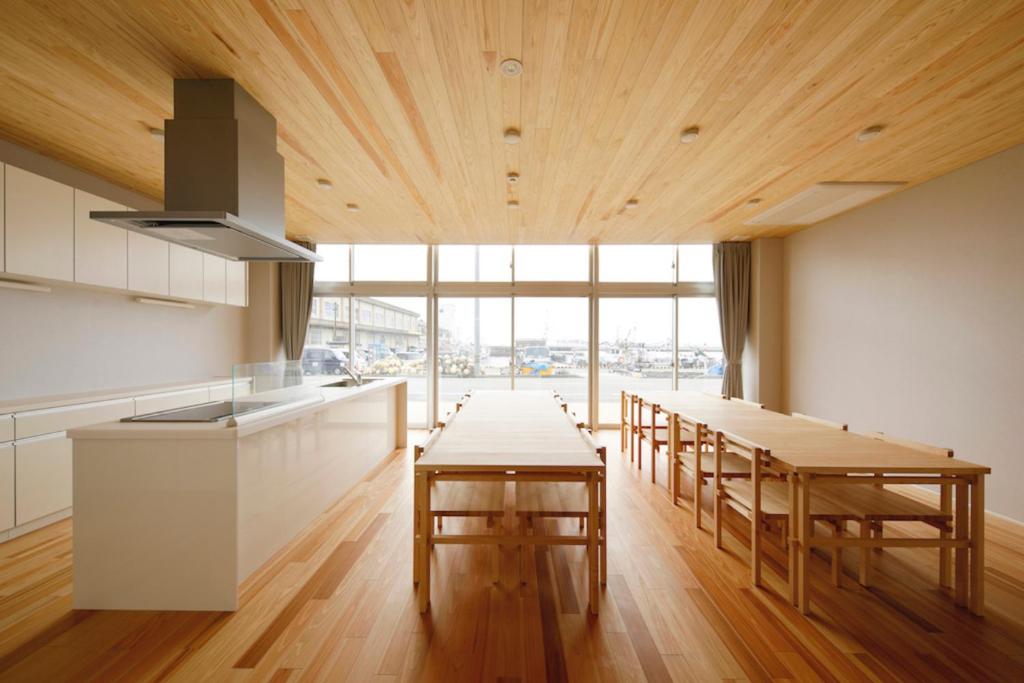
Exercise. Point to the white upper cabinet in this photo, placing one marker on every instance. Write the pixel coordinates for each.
(39, 226)
(148, 264)
(1, 218)
(101, 250)
(214, 283)
(237, 283)
(186, 272)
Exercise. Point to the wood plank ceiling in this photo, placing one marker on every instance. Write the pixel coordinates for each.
(401, 104)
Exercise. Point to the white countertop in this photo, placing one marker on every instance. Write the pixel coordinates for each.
(244, 424)
(58, 400)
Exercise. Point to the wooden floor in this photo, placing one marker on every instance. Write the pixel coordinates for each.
(338, 604)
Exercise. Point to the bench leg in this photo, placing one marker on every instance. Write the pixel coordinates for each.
(865, 554)
(945, 554)
(838, 530)
(698, 492)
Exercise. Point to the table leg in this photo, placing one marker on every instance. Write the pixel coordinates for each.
(804, 567)
(426, 529)
(945, 554)
(977, 594)
(416, 529)
(960, 531)
(673, 450)
(604, 527)
(592, 560)
(632, 427)
(622, 421)
(792, 528)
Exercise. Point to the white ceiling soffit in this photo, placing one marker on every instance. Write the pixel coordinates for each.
(822, 201)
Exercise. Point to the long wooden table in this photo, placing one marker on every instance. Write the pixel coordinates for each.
(812, 454)
(511, 436)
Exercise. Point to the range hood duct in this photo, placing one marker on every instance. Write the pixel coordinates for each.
(223, 178)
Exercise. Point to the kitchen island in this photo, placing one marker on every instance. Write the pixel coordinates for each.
(175, 516)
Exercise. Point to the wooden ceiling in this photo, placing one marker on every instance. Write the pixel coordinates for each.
(400, 103)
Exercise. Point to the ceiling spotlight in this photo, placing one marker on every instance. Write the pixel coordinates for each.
(352, 207)
(512, 136)
(632, 203)
(156, 133)
(689, 135)
(511, 68)
(869, 133)
(324, 184)
(513, 204)
(512, 178)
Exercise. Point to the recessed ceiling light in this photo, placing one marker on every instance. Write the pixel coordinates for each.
(512, 136)
(632, 203)
(352, 207)
(156, 133)
(870, 133)
(511, 67)
(324, 184)
(753, 201)
(513, 204)
(512, 178)
(689, 135)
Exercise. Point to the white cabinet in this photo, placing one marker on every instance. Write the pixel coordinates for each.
(6, 428)
(6, 486)
(42, 476)
(214, 283)
(39, 227)
(237, 275)
(2, 218)
(186, 271)
(148, 264)
(101, 250)
(49, 420)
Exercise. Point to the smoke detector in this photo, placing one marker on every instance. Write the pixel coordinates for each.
(512, 136)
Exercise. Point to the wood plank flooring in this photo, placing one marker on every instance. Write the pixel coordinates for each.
(338, 604)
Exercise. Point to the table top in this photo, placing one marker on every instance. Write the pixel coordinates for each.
(520, 431)
(803, 446)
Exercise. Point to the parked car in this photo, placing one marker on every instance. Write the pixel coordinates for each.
(323, 360)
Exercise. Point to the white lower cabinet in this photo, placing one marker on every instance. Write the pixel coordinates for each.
(6, 486)
(42, 475)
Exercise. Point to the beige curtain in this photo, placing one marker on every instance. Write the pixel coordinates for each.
(296, 303)
(732, 292)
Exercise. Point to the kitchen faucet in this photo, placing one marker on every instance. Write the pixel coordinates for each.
(358, 377)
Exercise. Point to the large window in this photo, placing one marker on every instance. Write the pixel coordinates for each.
(391, 341)
(637, 263)
(390, 262)
(474, 263)
(474, 348)
(552, 263)
(335, 264)
(635, 351)
(700, 345)
(551, 348)
(502, 316)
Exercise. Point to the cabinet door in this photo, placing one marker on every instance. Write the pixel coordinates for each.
(101, 250)
(6, 486)
(42, 476)
(40, 226)
(237, 283)
(2, 184)
(186, 269)
(148, 264)
(214, 284)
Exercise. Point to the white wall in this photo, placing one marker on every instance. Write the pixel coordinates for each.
(74, 339)
(907, 316)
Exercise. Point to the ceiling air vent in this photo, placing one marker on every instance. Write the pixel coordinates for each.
(822, 201)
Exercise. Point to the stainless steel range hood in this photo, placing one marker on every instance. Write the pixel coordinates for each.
(223, 178)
